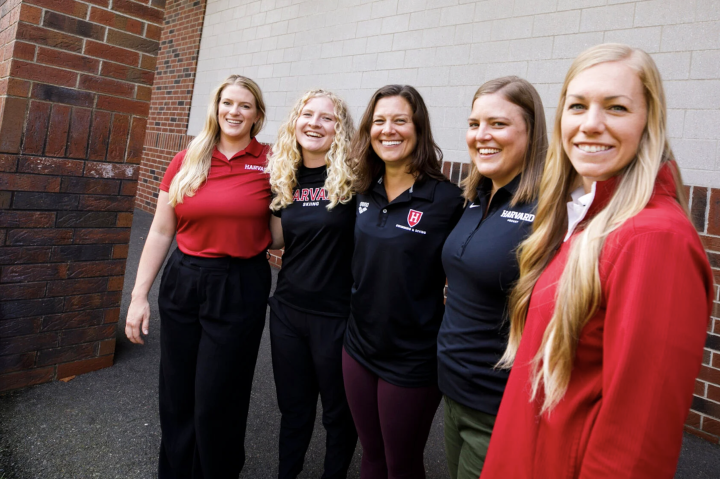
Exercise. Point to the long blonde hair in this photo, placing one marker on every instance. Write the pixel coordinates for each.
(579, 289)
(521, 93)
(196, 165)
(286, 157)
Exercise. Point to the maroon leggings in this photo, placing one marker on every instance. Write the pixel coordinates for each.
(393, 422)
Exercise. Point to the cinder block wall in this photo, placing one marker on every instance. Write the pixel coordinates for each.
(75, 85)
(447, 48)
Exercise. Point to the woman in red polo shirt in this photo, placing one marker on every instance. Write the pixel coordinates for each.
(214, 289)
(615, 290)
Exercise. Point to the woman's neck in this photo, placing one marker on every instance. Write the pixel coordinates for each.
(313, 160)
(396, 180)
(230, 146)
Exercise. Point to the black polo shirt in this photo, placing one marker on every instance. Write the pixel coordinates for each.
(315, 276)
(397, 294)
(480, 260)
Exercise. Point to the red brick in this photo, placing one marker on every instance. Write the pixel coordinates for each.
(112, 315)
(106, 347)
(153, 32)
(79, 132)
(709, 374)
(19, 327)
(128, 188)
(701, 434)
(693, 420)
(26, 378)
(134, 9)
(58, 130)
(42, 73)
(100, 3)
(120, 251)
(87, 335)
(36, 254)
(73, 26)
(50, 166)
(102, 235)
(711, 426)
(39, 237)
(143, 93)
(58, 94)
(30, 14)
(90, 186)
(8, 163)
(115, 283)
(99, 135)
(105, 85)
(17, 362)
(713, 392)
(106, 203)
(71, 7)
(88, 269)
(18, 87)
(76, 286)
(124, 220)
(111, 170)
(137, 137)
(122, 105)
(66, 354)
(49, 38)
(95, 252)
(132, 42)
(127, 73)
(113, 20)
(22, 291)
(24, 51)
(37, 124)
(112, 53)
(16, 182)
(713, 227)
(699, 388)
(24, 344)
(26, 219)
(716, 360)
(78, 319)
(148, 62)
(118, 138)
(93, 301)
(82, 367)
(11, 124)
(68, 60)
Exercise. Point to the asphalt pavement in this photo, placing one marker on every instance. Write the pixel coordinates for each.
(105, 424)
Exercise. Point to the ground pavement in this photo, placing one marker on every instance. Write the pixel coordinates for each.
(105, 424)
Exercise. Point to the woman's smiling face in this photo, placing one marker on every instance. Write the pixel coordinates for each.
(392, 134)
(603, 120)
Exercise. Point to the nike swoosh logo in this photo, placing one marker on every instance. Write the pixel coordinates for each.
(474, 206)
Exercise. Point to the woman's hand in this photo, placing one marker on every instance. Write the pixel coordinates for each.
(138, 319)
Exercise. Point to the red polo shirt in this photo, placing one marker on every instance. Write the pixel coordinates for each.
(229, 214)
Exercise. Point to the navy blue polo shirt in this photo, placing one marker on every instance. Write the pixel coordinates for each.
(315, 276)
(397, 294)
(480, 260)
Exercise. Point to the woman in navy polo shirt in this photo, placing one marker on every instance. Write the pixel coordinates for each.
(313, 217)
(406, 209)
(507, 141)
(213, 294)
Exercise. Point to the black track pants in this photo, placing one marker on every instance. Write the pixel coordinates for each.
(307, 361)
(212, 313)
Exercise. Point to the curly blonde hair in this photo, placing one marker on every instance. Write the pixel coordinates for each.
(286, 157)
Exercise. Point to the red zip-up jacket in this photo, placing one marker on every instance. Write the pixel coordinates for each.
(637, 358)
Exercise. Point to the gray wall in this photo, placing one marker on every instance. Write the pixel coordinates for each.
(447, 48)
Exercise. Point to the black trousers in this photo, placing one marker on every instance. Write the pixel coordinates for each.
(212, 313)
(307, 361)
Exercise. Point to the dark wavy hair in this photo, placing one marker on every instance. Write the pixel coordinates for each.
(426, 158)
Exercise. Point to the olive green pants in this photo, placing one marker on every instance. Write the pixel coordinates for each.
(467, 437)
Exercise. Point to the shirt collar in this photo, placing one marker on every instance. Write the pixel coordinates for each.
(253, 149)
(486, 185)
(424, 189)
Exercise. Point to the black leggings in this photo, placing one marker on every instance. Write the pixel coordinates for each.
(393, 422)
(212, 313)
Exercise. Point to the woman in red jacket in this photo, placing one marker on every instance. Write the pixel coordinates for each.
(615, 290)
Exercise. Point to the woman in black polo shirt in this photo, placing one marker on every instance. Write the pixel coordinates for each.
(314, 216)
(507, 142)
(406, 209)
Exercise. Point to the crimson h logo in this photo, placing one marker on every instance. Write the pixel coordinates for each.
(414, 218)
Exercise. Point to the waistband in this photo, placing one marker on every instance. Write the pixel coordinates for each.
(223, 262)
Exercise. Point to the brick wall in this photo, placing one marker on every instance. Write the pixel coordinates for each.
(172, 92)
(75, 83)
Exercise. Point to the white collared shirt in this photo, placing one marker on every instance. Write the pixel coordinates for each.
(578, 207)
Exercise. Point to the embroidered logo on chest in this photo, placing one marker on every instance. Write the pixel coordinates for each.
(515, 216)
(414, 218)
(310, 196)
(255, 167)
(363, 207)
